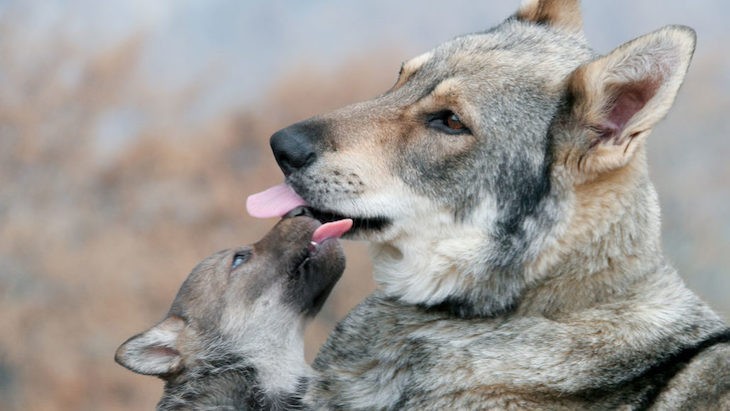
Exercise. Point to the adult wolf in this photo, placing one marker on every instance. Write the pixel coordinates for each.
(503, 185)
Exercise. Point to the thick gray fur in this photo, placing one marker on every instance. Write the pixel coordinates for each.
(518, 259)
(233, 338)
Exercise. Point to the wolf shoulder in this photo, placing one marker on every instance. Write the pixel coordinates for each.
(409, 357)
(702, 384)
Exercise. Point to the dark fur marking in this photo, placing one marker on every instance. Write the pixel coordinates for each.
(465, 308)
(239, 388)
(663, 372)
(308, 282)
(642, 390)
(418, 356)
(520, 194)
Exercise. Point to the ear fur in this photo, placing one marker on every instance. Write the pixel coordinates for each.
(564, 14)
(617, 99)
(153, 352)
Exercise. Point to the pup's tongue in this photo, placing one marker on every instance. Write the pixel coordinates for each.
(334, 229)
(274, 202)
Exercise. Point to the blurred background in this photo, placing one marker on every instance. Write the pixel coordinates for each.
(132, 131)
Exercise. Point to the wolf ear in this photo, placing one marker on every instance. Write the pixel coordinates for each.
(153, 352)
(564, 14)
(616, 100)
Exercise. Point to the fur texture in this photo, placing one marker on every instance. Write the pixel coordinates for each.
(502, 183)
(233, 337)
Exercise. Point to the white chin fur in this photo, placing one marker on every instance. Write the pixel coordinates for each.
(270, 335)
(432, 257)
(423, 256)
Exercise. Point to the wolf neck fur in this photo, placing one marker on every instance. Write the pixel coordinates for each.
(608, 254)
(447, 266)
(431, 267)
(269, 372)
(234, 386)
(275, 348)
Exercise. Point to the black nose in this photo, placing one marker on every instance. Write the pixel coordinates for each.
(293, 148)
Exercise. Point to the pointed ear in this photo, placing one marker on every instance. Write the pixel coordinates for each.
(564, 14)
(616, 100)
(153, 352)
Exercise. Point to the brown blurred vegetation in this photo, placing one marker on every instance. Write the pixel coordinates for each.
(95, 242)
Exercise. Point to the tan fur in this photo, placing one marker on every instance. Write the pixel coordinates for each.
(559, 13)
(410, 67)
(600, 207)
(517, 255)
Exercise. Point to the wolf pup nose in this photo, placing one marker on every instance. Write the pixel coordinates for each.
(233, 336)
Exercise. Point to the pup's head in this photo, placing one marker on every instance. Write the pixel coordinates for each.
(249, 302)
(466, 168)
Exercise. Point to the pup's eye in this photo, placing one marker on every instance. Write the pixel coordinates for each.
(448, 122)
(240, 258)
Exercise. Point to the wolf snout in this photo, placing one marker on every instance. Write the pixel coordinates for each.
(293, 147)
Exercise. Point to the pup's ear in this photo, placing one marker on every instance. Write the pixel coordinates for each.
(616, 100)
(153, 352)
(564, 14)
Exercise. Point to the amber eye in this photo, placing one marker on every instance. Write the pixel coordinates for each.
(454, 122)
(448, 122)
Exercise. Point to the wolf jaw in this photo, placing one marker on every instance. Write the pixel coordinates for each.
(444, 261)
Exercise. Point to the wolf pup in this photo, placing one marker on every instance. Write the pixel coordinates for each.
(503, 185)
(233, 337)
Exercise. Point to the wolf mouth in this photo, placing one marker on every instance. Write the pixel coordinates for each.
(282, 200)
(318, 264)
(358, 223)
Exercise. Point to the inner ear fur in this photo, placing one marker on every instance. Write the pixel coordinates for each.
(564, 14)
(617, 99)
(155, 351)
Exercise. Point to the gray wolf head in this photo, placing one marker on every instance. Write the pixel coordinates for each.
(494, 158)
(249, 303)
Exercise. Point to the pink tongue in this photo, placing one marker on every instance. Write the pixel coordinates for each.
(274, 202)
(335, 229)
